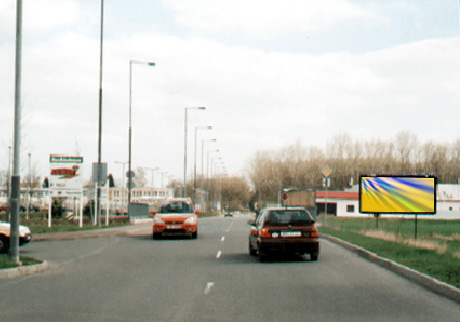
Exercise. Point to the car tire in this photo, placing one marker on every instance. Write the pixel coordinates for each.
(195, 235)
(252, 251)
(262, 257)
(156, 236)
(4, 244)
(313, 256)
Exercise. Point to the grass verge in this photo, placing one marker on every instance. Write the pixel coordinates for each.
(443, 267)
(38, 228)
(6, 262)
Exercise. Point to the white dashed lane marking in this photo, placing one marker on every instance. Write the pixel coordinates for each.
(208, 288)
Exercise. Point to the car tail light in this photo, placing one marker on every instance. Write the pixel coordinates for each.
(314, 234)
(264, 233)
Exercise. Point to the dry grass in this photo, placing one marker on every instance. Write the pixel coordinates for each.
(454, 237)
(440, 248)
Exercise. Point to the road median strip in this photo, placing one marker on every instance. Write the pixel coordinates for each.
(424, 280)
(23, 270)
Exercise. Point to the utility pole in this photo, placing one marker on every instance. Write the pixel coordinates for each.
(99, 150)
(13, 251)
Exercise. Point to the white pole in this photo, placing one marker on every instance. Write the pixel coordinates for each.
(81, 209)
(108, 205)
(95, 205)
(49, 209)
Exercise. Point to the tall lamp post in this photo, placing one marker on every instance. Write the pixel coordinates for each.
(194, 163)
(28, 190)
(212, 164)
(162, 176)
(202, 160)
(13, 252)
(122, 187)
(185, 145)
(130, 177)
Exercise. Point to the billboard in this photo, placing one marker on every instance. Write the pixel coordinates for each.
(397, 194)
(65, 172)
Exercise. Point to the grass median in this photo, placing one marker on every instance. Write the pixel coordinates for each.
(435, 252)
(6, 262)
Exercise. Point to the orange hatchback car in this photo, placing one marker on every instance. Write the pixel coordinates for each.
(176, 217)
(284, 231)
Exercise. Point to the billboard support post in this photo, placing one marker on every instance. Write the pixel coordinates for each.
(326, 171)
(415, 226)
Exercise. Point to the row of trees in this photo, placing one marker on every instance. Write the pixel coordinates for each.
(300, 167)
(233, 192)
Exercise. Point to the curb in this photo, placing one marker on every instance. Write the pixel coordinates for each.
(23, 270)
(424, 280)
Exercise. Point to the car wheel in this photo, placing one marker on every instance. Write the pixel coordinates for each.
(4, 244)
(195, 235)
(252, 251)
(262, 256)
(156, 235)
(314, 256)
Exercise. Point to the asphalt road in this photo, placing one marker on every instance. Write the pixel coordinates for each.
(209, 279)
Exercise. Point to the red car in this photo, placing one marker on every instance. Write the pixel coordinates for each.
(176, 217)
(284, 231)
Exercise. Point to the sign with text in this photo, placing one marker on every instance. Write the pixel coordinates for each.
(65, 172)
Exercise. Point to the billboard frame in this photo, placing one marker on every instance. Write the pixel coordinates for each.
(401, 212)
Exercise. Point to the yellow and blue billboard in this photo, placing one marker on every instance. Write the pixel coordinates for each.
(397, 194)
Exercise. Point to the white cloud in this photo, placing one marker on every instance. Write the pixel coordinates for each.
(38, 14)
(264, 17)
(255, 99)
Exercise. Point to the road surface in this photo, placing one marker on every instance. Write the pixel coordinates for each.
(209, 279)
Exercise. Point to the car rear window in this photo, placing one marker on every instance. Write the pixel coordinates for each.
(289, 217)
(178, 207)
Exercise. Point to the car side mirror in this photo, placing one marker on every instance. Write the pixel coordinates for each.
(251, 222)
(198, 213)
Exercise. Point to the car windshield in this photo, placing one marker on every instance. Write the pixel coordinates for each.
(178, 207)
(289, 217)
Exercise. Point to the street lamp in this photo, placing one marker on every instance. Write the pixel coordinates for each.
(202, 158)
(99, 147)
(131, 62)
(212, 163)
(162, 175)
(185, 145)
(28, 190)
(13, 251)
(122, 186)
(194, 163)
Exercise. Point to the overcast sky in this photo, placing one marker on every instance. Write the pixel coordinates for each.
(269, 72)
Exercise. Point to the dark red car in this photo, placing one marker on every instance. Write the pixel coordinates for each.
(284, 231)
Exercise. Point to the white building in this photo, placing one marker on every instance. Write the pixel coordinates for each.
(346, 203)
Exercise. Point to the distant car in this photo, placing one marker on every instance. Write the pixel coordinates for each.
(228, 214)
(25, 236)
(175, 217)
(284, 231)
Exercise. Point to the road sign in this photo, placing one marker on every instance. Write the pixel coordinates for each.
(326, 171)
(99, 172)
(132, 176)
(285, 196)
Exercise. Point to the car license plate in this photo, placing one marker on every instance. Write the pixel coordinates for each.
(174, 226)
(291, 234)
